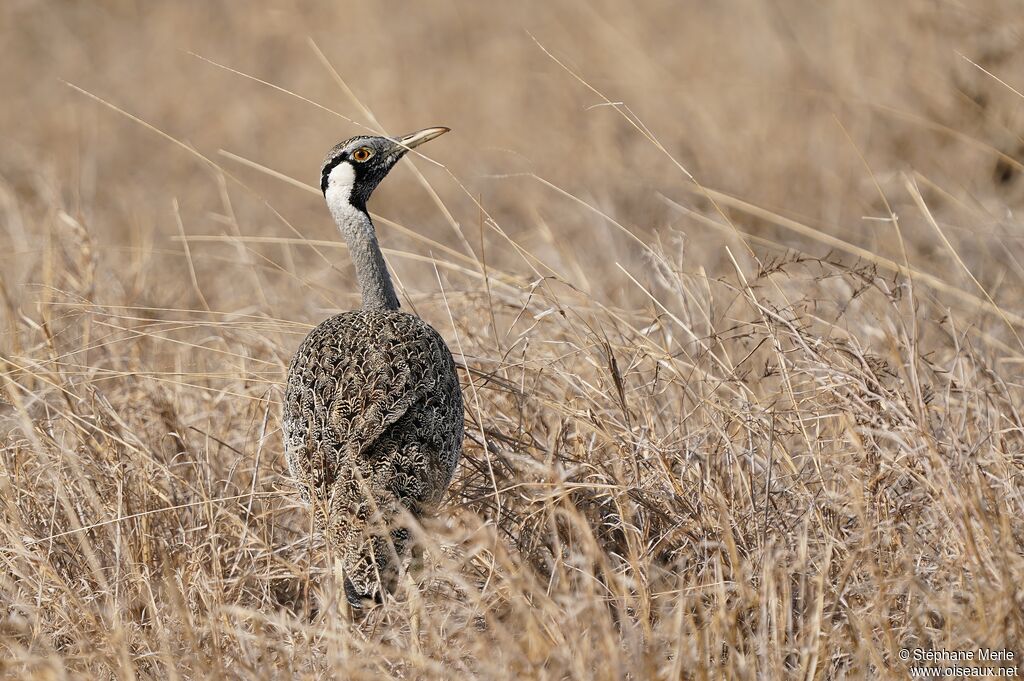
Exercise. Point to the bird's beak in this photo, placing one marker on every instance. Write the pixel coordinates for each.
(415, 139)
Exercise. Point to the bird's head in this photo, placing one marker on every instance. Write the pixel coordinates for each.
(354, 168)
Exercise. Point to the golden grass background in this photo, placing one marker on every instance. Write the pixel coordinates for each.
(735, 287)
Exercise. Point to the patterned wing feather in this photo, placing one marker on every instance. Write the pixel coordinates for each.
(373, 424)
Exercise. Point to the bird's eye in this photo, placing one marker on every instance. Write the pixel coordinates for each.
(362, 154)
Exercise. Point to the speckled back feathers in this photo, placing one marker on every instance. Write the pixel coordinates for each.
(373, 425)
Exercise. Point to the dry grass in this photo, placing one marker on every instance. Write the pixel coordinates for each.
(747, 425)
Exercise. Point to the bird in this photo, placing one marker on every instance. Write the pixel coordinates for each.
(373, 410)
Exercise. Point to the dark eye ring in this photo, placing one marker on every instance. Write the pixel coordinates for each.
(362, 154)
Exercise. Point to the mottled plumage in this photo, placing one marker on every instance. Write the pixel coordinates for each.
(373, 409)
(373, 424)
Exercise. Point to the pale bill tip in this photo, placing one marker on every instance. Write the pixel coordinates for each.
(419, 137)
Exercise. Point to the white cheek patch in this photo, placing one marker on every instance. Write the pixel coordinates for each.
(339, 190)
(341, 180)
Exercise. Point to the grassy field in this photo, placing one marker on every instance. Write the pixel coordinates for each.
(735, 289)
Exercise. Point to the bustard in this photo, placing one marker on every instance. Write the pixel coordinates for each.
(372, 409)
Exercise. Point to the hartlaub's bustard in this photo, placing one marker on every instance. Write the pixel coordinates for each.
(372, 409)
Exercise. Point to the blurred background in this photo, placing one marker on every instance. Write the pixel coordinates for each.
(709, 425)
(819, 112)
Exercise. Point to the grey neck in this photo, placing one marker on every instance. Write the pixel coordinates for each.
(371, 272)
